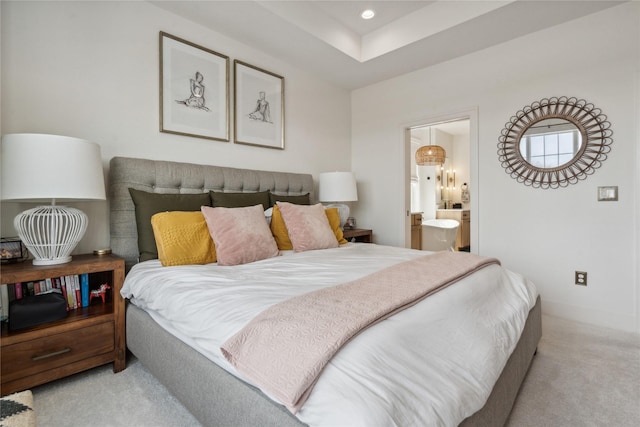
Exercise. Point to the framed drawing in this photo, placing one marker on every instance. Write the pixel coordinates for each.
(194, 90)
(259, 106)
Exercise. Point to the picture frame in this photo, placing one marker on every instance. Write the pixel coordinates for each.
(194, 89)
(259, 106)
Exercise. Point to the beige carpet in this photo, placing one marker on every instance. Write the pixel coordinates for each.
(582, 376)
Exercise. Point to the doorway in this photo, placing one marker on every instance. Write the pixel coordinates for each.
(447, 190)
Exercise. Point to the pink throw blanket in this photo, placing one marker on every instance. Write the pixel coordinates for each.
(284, 348)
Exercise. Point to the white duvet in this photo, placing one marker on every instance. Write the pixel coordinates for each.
(433, 364)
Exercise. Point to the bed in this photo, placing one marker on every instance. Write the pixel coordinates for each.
(212, 391)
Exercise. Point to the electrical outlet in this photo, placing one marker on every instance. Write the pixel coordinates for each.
(581, 278)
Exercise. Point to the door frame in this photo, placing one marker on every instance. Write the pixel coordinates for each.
(470, 114)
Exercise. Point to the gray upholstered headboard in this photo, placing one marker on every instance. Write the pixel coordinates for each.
(173, 177)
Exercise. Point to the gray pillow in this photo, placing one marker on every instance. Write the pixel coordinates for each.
(220, 199)
(148, 204)
(303, 199)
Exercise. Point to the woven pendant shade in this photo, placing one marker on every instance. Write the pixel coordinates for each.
(430, 155)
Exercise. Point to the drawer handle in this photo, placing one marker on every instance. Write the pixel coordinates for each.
(53, 353)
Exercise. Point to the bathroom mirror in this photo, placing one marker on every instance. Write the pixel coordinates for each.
(554, 142)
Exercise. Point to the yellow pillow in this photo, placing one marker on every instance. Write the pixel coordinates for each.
(334, 221)
(182, 238)
(279, 230)
(281, 234)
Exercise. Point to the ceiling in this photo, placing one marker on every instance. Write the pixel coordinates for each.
(329, 39)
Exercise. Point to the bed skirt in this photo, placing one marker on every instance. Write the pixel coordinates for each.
(215, 397)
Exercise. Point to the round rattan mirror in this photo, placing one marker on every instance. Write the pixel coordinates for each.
(554, 142)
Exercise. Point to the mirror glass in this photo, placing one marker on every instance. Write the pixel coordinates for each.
(550, 143)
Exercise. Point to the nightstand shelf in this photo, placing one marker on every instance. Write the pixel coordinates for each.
(358, 235)
(87, 337)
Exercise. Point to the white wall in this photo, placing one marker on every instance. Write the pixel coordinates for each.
(544, 234)
(90, 70)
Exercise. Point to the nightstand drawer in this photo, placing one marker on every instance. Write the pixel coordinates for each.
(56, 350)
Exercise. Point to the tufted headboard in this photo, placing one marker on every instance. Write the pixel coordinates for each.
(173, 177)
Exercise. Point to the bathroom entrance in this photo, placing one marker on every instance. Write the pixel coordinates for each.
(440, 184)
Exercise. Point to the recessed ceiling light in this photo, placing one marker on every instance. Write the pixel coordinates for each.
(368, 14)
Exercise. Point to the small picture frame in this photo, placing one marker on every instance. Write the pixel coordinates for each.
(350, 223)
(194, 90)
(11, 249)
(259, 106)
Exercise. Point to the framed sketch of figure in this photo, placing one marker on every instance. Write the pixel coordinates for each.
(259, 106)
(194, 90)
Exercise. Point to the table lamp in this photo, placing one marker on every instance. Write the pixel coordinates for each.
(338, 187)
(50, 168)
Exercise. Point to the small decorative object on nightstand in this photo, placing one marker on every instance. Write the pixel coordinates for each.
(100, 293)
(350, 224)
(358, 235)
(12, 250)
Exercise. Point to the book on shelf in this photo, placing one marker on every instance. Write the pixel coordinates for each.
(63, 287)
(11, 290)
(65, 292)
(84, 289)
(18, 288)
(4, 302)
(76, 286)
(70, 291)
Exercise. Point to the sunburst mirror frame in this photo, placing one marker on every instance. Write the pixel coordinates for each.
(591, 123)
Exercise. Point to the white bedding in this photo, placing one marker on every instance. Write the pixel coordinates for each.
(432, 364)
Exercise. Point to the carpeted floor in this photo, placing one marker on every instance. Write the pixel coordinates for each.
(582, 376)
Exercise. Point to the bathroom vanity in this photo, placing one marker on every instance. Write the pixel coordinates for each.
(463, 216)
(416, 230)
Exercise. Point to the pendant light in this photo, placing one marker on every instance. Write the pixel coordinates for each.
(430, 155)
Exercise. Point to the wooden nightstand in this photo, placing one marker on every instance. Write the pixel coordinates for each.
(88, 337)
(358, 235)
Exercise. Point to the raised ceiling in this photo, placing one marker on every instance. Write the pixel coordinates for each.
(329, 39)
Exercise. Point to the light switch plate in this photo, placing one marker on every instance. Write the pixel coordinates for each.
(608, 194)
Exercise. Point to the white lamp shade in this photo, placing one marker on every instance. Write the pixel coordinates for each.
(337, 187)
(42, 168)
(50, 168)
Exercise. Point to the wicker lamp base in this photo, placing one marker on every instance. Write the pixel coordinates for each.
(51, 233)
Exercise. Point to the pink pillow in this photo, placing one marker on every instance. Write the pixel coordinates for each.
(241, 235)
(308, 226)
